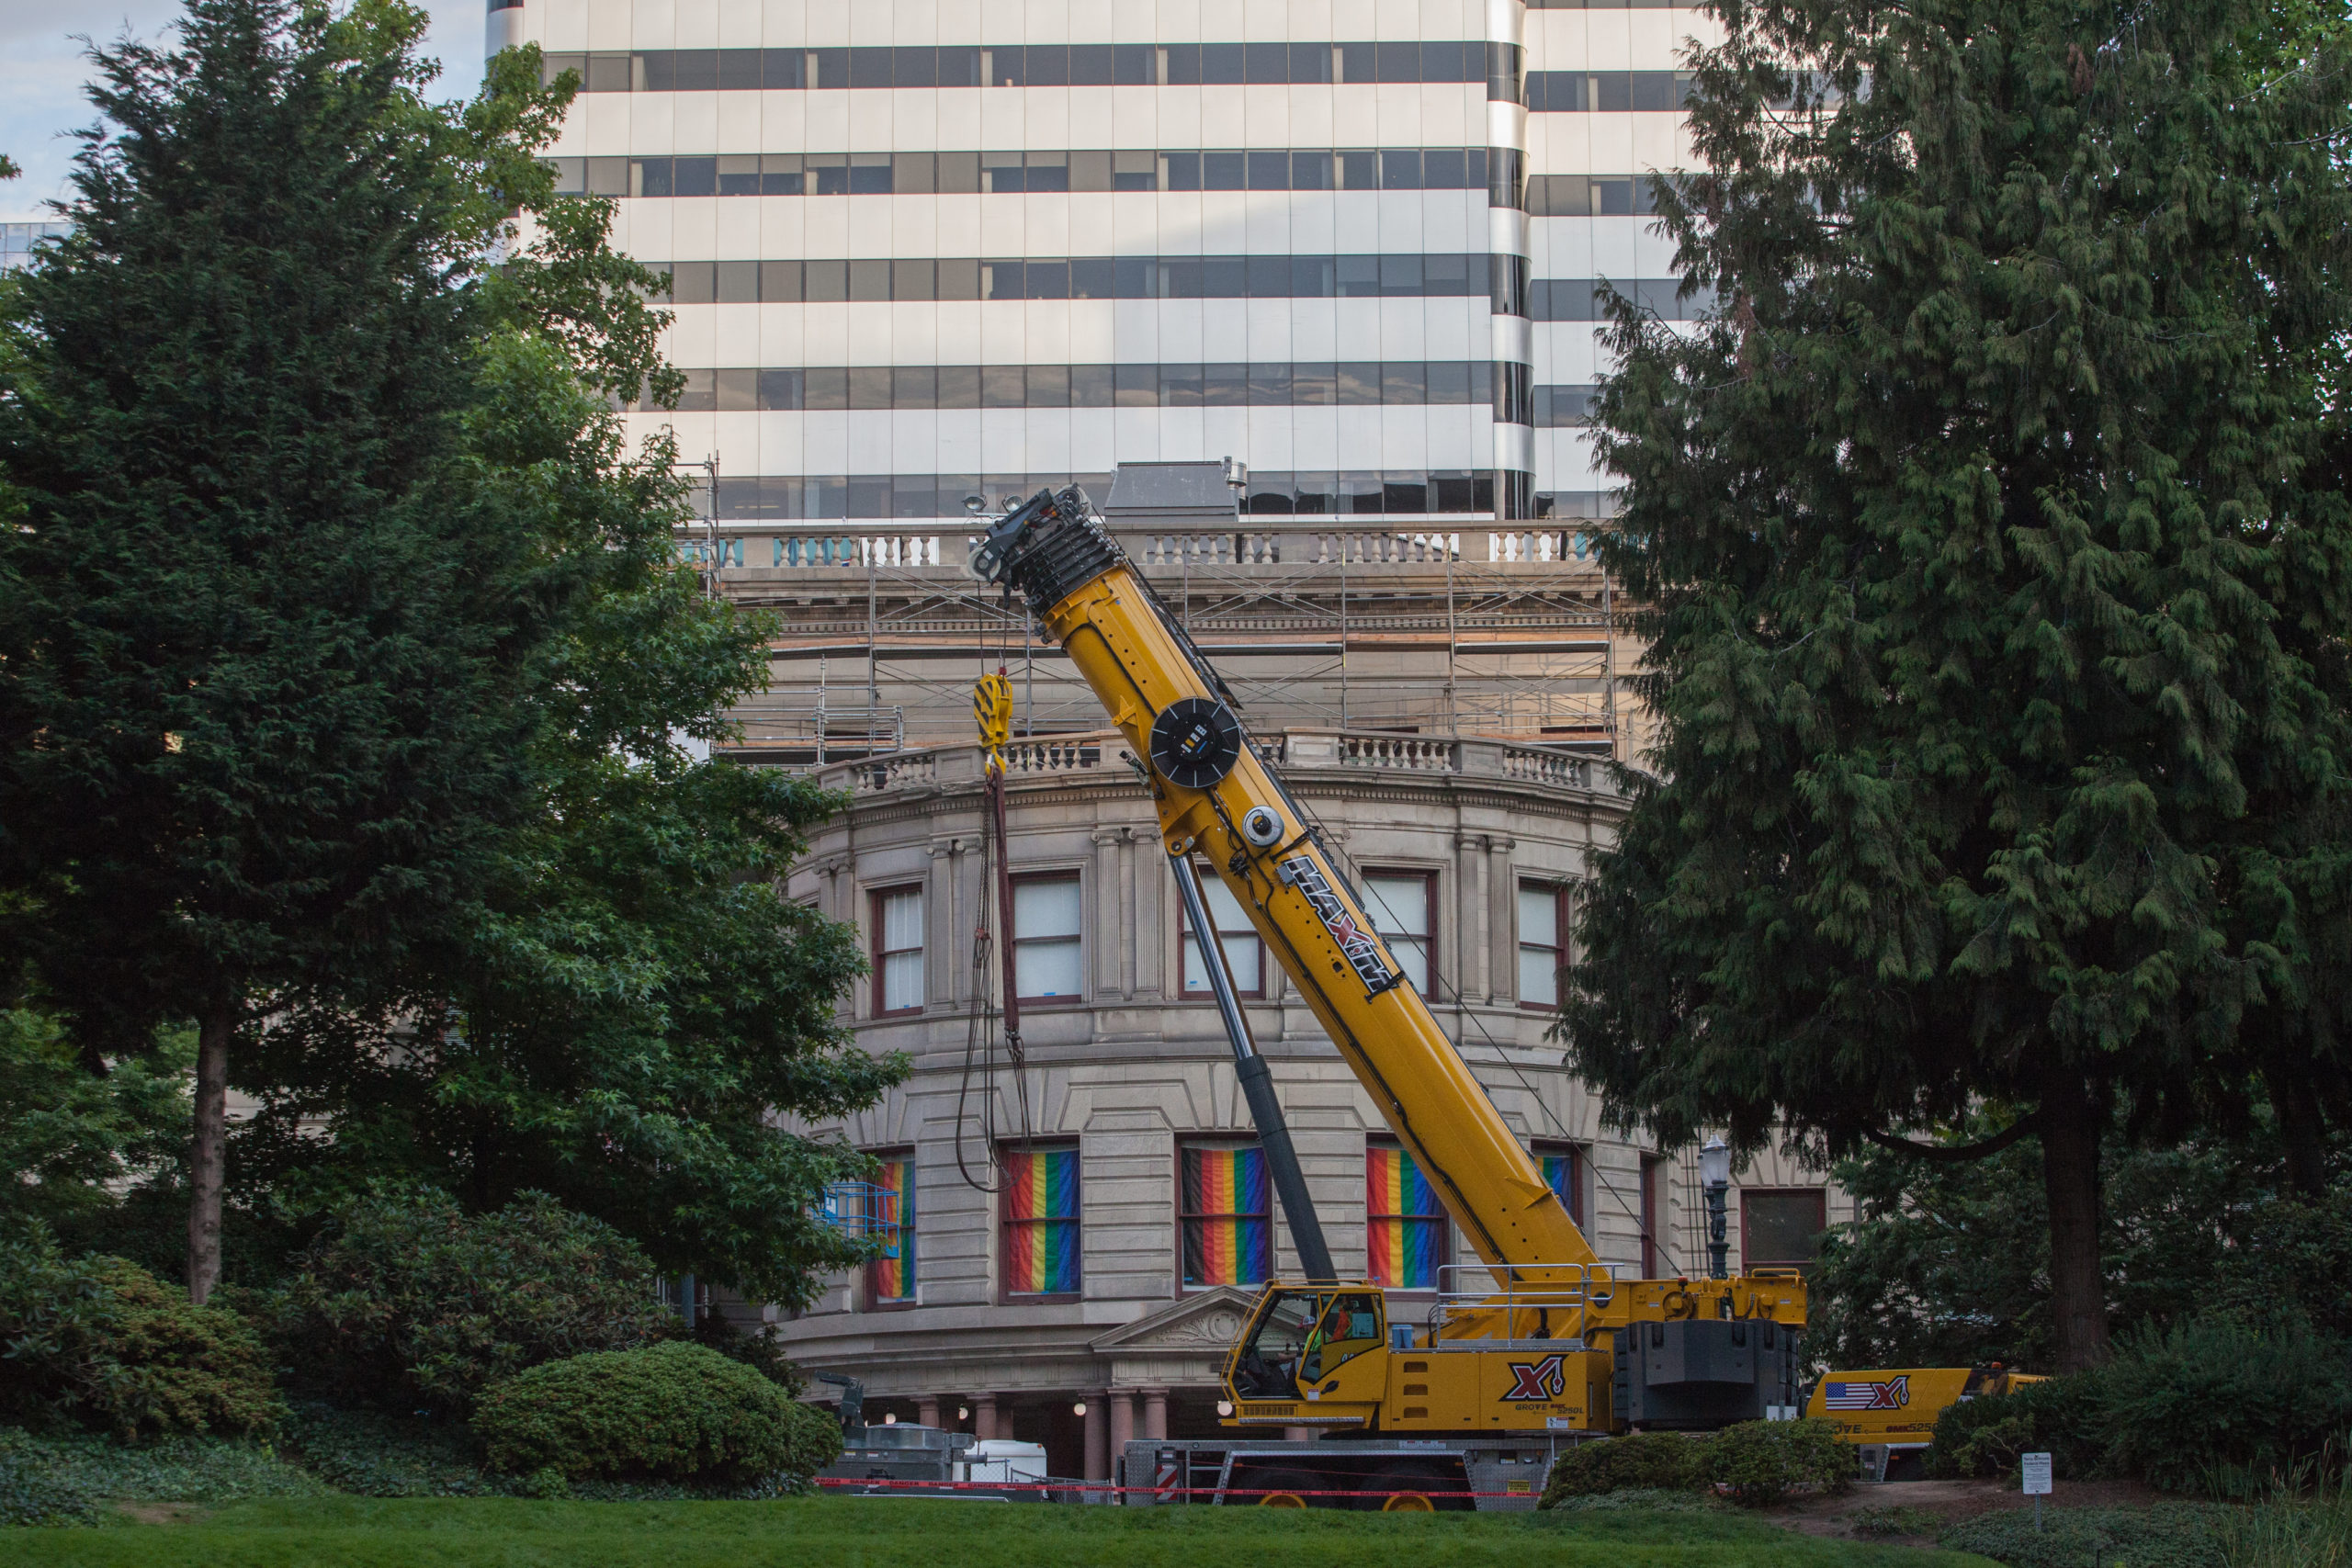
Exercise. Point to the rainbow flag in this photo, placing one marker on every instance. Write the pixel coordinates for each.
(1560, 1176)
(1408, 1231)
(894, 1278)
(1041, 1222)
(1228, 1239)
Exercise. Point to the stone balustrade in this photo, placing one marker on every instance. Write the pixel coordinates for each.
(750, 552)
(1050, 758)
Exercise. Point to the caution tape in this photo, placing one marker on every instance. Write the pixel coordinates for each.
(844, 1482)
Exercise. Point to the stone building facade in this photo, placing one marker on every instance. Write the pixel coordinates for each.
(1476, 838)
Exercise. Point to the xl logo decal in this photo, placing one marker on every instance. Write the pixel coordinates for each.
(1538, 1381)
(1361, 948)
(1893, 1394)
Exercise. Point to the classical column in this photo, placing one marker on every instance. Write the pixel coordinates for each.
(927, 1409)
(939, 922)
(1470, 942)
(1098, 1435)
(1101, 912)
(1122, 1401)
(1128, 928)
(1502, 902)
(1155, 1412)
(984, 1415)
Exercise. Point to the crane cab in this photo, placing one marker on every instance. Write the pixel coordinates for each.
(1331, 1357)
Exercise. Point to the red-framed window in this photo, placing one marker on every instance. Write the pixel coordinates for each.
(897, 915)
(1244, 952)
(1225, 1208)
(1543, 943)
(1049, 941)
(1780, 1228)
(1037, 1211)
(1403, 906)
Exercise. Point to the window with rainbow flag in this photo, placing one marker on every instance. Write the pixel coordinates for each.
(1564, 1175)
(1039, 1203)
(890, 1278)
(1407, 1230)
(1227, 1207)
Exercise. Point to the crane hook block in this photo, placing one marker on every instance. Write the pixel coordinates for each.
(992, 705)
(1195, 743)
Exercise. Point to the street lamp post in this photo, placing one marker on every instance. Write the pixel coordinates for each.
(1714, 1175)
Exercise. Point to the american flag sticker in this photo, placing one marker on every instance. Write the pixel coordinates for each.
(1893, 1394)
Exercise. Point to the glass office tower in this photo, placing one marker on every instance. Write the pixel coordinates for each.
(922, 250)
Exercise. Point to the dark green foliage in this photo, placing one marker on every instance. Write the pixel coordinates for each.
(2209, 1406)
(175, 1470)
(392, 711)
(2065, 1418)
(1637, 1462)
(2175, 1535)
(70, 1137)
(101, 1341)
(409, 1302)
(1949, 1264)
(30, 1494)
(1762, 1463)
(760, 1349)
(676, 1412)
(1756, 1463)
(2214, 1405)
(264, 627)
(633, 1002)
(1998, 572)
(369, 1453)
(1880, 1523)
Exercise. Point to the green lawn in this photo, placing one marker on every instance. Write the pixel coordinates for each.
(351, 1532)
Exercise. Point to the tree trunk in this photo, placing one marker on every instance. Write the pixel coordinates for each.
(2070, 1130)
(2302, 1128)
(207, 1150)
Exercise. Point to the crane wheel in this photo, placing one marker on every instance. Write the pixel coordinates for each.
(1281, 1500)
(1407, 1502)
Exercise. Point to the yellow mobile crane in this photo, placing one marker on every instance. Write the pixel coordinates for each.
(1551, 1346)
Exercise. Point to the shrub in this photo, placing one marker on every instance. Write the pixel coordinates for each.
(1759, 1463)
(762, 1349)
(2172, 1535)
(2214, 1404)
(674, 1411)
(409, 1301)
(102, 1342)
(177, 1469)
(1640, 1461)
(371, 1454)
(30, 1494)
(1981, 1438)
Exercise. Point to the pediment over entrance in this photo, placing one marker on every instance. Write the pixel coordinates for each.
(1205, 1323)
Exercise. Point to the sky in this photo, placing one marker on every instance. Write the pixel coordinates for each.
(42, 72)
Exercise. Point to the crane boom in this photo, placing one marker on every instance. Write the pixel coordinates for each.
(1218, 799)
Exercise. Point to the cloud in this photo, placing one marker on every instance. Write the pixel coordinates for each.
(43, 69)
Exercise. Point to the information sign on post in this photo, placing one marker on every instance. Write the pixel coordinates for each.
(2036, 1470)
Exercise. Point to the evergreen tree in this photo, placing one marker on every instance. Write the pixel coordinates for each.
(634, 1003)
(259, 628)
(1998, 571)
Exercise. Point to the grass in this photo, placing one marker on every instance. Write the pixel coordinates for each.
(2293, 1531)
(495, 1532)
